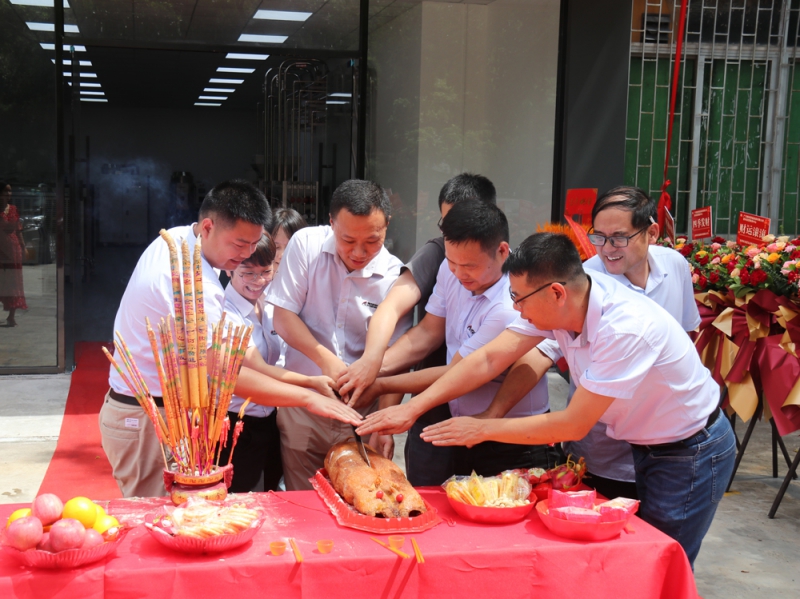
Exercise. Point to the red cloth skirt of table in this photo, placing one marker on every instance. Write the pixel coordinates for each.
(462, 558)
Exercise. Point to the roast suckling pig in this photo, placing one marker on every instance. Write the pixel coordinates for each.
(382, 490)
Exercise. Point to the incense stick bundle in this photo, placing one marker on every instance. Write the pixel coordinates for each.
(197, 391)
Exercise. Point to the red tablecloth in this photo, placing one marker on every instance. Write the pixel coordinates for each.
(461, 559)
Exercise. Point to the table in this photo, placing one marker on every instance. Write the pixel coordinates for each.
(462, 558)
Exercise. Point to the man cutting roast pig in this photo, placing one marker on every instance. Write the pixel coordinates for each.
(469, 306)
(636, 371)
(329, 285)
(231, 221)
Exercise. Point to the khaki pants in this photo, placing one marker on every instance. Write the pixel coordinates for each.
(305, 441)
(130, 442)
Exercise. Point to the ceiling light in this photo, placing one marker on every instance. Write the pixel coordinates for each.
(212, 97)
(83, 63)
(237, 56)
(87, 75)
(227, 81)
(206, 104)
(88, 84)
(281, 15)
(67, 47)
(94, 100)
(262, 39)
(234, 70)
(51, 27)
(340, 95)
(85, 92)
(336, 102)
(49, 3)
(219, 90)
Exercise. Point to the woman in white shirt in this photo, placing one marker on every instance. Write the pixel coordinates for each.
(258, 449)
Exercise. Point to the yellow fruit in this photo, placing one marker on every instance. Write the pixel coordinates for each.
(100, 511)
(20, 513)
(82, 509)
(104, 523)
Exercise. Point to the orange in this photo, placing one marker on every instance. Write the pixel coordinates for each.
(20, 513)
(103, 523)
(82, 509)
(100, 511)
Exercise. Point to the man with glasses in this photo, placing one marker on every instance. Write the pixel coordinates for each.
(636, 370)
(469, 307)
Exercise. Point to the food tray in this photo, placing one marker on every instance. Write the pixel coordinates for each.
(491, 515)
(580, 531)
(215, 544)
(543, 493)
(346, 515)
(70, 558)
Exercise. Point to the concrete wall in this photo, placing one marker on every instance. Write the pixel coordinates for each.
(476, 93)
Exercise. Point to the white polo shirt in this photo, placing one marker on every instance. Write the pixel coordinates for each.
(471, 321)
(239, 311)
(630, 349)
(669, 284)
(149, 294)
(335, 305)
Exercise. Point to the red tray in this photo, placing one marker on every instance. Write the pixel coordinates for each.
(491, 515)
(215, 544)
(580, 531)
(346, 515)
(70, 558)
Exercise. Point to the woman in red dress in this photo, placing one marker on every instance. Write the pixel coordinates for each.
(12, 249)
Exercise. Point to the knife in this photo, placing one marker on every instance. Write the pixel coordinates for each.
(361, 449)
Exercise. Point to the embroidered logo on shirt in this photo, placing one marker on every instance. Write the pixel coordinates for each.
(370, 304)
(273, 332)
(471, 330)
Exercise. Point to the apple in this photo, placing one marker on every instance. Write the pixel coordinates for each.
(47, 508)
(24, 533)
(67, 534)
(93, 539)
(44, 544)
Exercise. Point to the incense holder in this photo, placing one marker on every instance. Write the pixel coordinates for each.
(213, 486)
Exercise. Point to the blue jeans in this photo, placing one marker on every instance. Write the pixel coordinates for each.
(680, 489)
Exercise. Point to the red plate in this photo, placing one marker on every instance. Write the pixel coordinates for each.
(491, 515)
(580, 531)
(215, 544)
(543, 493)
(346, 515)
(71, 558)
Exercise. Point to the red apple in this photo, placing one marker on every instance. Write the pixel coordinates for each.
(93, 539)
(24, 533)
(47, 508)
(44, 544)
(67, 534)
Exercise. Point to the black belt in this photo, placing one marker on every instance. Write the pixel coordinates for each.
(682, 444)
(131, 401)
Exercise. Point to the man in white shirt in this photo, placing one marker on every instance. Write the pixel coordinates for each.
(231, 221)
(636, 370)
(329, 285)
(469, 306)
(624, 231)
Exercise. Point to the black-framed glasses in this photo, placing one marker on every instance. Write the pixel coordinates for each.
(617, 241)
(517, 300)
(252, 277)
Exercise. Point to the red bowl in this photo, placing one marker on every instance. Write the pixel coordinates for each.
(580, 531)
(491, 515)
(70, 558)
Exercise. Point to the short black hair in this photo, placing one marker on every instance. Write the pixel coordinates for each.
(264, 254)
(467, 186)
(545, 256)
(236, 200)
(289, 220)
(473, 220)
(632, 199)
(360, 198)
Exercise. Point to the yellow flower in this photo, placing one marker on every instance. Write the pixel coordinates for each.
(701, 253)
(727, 258)
(679, 246)
(773, 257)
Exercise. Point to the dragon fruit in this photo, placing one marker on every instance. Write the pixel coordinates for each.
(567, 476)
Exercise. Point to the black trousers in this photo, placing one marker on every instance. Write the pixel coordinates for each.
(611, 488)
(257, 450)
(490, 458)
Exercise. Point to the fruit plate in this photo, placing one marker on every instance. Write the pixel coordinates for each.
(70, 558)
(580, 531)
(346, 515)
(491, 515)
(543, 492)
(215, 544)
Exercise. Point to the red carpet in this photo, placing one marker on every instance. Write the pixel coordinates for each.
(79, 465)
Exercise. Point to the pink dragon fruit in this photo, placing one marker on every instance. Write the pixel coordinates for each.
(567, 476)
